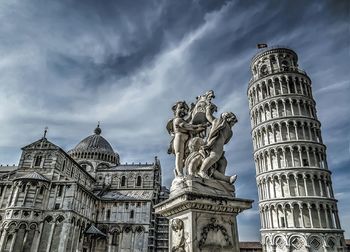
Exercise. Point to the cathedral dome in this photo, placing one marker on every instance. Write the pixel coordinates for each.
(94, 142)
(95, 147)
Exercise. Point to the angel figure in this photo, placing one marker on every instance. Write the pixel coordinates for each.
(181, 131)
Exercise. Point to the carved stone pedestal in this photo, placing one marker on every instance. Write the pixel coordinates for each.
(199, 222)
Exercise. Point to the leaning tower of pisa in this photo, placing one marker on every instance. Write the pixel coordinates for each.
(298, 211)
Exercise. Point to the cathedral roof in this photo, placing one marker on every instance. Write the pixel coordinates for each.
(127, 195)
(92, 230)
(95, 142)
(33, 176)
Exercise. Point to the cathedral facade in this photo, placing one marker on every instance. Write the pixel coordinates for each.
(81, 200)
(298, 210)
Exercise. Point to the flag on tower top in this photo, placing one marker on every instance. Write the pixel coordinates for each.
(261, 46)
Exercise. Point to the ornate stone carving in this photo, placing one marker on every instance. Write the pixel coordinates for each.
(198, 140)
(213, 226)
(179, 241)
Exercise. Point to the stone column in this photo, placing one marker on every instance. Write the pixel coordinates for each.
(284, 157)
(109, 242)
(268, 189)
(284, 108)
(281, 185)
(3, 195)
(288, 132)
(302, 216)
(277, 109)
(25, 194)
(292, 155)
(25, 238)
(309, 129)
(15, 196)
(50, 236)
(326, 214)
(296, 130)
(288, 184)
(62, 247)
(319, 216)
(310, 214)
(35, 195)
(321, 187)
(291, 106)
(13, 240)
(285, 217)
(305, 186)
(299, 110)
(296, 179)
(281, 87)
(313, 185)
(9, 200)
(303, 128)
(292, 212)
(73, 238)
(37, 237)
(3, 239)
(308, 156)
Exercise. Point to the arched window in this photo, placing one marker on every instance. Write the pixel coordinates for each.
(41, 190)
(38, 160)
(8, 243)
(123, 181)
(115, 239)
(60, 190)
(108, 214)
(132, 214)
(138, 181)
(24, 187)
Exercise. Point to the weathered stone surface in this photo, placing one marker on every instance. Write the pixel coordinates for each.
(49, 202)
(201, 185)
(202, 207)
(200, 222)
(297, 207)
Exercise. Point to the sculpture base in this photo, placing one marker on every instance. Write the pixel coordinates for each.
(202, 186)
(199, 222)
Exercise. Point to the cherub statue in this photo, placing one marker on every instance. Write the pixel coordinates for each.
(181, 130)
(198, 109)
(195, 158)
(219, 135)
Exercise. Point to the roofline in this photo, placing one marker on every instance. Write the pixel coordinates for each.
(81, 168)
(65, 153)
(267, 50)
(106, 151)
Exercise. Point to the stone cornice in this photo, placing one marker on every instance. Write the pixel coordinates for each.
(289, 143)
(193, 201)
(278, 73)
(292, 170)
(301, 199)
(283, 119)
(280, 97)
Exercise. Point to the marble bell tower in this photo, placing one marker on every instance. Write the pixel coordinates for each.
(298, 211)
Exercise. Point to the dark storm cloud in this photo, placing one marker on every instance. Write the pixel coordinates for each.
(69, 64)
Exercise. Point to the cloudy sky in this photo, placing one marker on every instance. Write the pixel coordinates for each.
(68, 64)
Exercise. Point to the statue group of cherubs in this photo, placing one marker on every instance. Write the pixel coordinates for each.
(197, 151)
